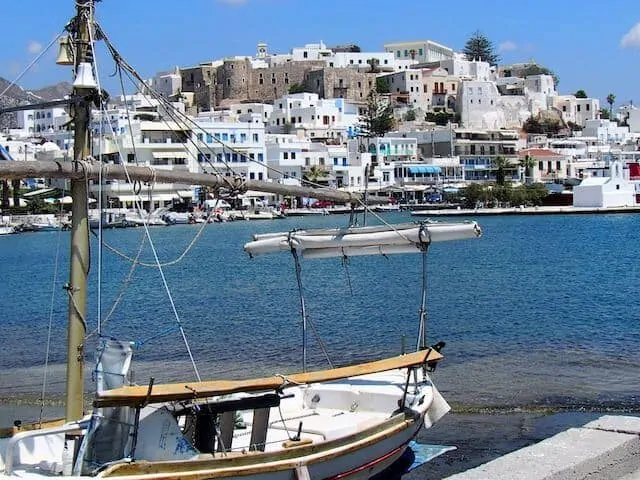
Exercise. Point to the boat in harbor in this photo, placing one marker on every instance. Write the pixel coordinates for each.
(6, 230)
(342, 422)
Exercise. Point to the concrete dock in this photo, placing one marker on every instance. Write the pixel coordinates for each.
(606, 448)
(564, 210)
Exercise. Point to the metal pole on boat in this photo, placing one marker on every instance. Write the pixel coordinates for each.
(79, 256)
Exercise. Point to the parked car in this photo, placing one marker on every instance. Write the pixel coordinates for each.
(321, 204)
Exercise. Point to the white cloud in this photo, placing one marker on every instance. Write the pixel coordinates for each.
(507, 46)
(34, 47)
(632, 37)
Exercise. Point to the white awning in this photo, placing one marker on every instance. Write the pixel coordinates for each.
(181, 154)
(39, 192)
(156, 197)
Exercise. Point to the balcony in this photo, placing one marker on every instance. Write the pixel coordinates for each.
(438, 91)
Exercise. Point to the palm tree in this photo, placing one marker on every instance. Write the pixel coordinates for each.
(528, 163)
(611, 99)
(313, 174)
(501, 165)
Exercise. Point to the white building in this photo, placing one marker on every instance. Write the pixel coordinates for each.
(605, 192)
(313, 117)
(606, 131)
(464, 68)
(576, 110)
(423, 51)
(478, 105)
(167, 84)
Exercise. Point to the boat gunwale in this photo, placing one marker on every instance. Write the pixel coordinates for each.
(140, 395)
(285, 459)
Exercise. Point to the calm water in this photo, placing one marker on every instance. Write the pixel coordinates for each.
(540, 311)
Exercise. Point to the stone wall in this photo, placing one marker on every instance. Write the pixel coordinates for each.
(348, 83)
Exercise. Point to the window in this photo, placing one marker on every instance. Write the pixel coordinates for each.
(406, 53)
(335, 161)
(217, 135)
(255, 137)
(293, 155)
(578, 107)
(199, 136)
(588, 107)
(420, 51)
(285, 155)
(252, 176)
(243, 137)
(260, 157)
(305, 55)
(225, 137)
(209, 138)
(232, 137)
(234, 157)
(131, 158)
(397, 55)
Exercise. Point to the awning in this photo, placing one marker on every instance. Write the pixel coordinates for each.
(143, 197)
(37, 193)
(433, 169)
(170, 154)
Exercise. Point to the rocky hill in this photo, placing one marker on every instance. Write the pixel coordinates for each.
(18, 96)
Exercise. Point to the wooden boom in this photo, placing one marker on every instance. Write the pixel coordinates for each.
(91, 171)
(139, 395)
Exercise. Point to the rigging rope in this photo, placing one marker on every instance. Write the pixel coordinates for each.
(49, 329)
(31, 64)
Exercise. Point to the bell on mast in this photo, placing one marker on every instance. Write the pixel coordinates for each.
(65, 51)
(84, 76)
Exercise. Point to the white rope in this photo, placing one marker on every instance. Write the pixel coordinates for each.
(100, 186)
(48, 348)
(33, 62)
(145, 224)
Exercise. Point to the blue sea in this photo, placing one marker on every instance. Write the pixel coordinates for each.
(540, 312)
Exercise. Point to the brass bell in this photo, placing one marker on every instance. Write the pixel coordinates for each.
(65, 51)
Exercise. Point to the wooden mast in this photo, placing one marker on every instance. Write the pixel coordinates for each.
(79, 256)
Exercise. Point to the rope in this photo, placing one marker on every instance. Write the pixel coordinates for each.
(48, 348)
(31, 64)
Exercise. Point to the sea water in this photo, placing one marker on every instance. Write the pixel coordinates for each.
(541, 311)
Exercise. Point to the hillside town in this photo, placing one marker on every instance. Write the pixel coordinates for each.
(412, 123)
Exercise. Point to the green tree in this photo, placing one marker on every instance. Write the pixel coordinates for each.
(502, 166)
(378, 116)
(611, 99)
(581, 94)
(382, 85)
(442, 118)
(410, 115)
(480, 47)
(297, 88)
(528, 163)
(604, 114)
(314, 174)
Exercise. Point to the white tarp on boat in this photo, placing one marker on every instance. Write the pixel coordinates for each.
(405, 238)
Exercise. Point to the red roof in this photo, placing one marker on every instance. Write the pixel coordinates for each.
(538, 152)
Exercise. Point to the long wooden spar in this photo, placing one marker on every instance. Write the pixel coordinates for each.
(139, 395)
(91, 171)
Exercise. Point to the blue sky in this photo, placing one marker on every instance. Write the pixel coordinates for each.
(590, 45)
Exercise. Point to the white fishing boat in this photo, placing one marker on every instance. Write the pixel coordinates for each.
(347, 422)
(6, 230)
(263, 213)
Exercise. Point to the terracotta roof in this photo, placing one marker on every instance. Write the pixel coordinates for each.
(539, 152)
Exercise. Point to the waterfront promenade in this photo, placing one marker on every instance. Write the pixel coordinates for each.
(522, 210)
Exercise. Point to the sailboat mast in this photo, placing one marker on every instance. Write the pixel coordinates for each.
(79, 256)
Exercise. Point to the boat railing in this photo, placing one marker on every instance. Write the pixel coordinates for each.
(21, 437)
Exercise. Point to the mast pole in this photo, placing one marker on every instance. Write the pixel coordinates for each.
(79, 256)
